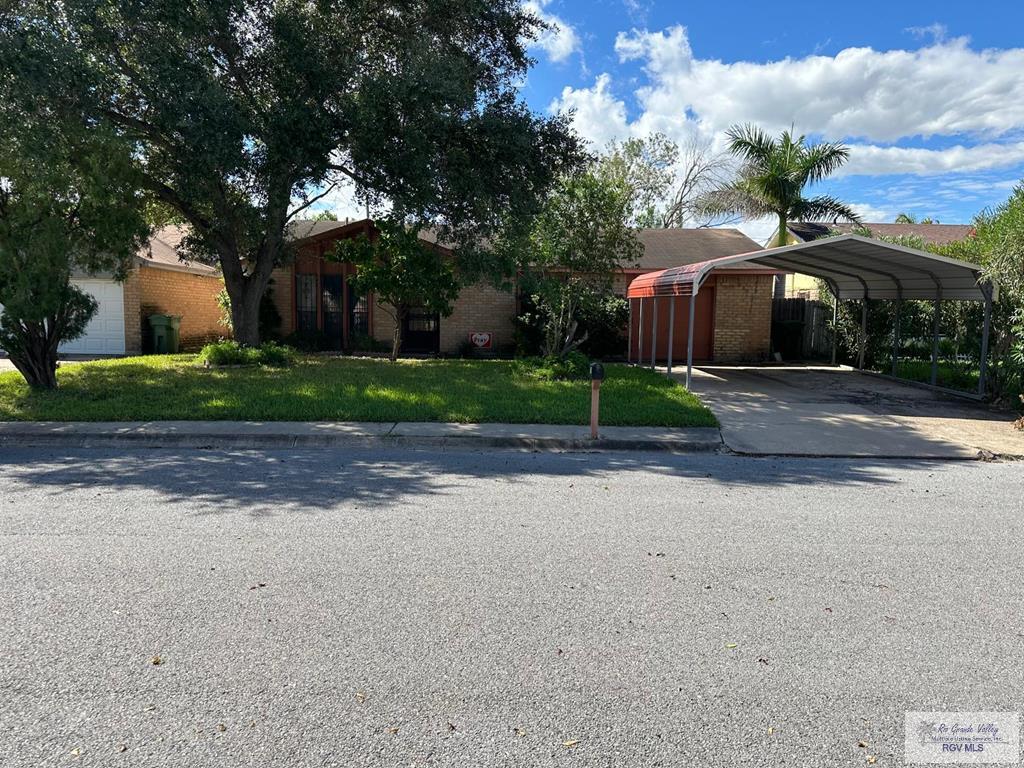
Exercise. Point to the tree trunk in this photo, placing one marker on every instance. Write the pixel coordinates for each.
(37, 362)
(783, 238)
(396, 338)
(245, 317)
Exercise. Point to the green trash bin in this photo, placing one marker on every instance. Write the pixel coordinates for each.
(166, 329)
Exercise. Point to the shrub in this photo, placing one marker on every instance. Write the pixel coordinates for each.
(224, 353)
(573, 367)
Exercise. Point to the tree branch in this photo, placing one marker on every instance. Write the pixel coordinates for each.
(311, 201)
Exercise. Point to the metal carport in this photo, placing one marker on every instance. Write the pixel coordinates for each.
(854, 268)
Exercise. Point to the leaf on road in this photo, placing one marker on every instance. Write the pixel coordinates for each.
(123, 748)
(360, 697)
(156, 661)
(257, 586)
(730, 646)
(570, 743)
(872, 759)
(763, 660)
(221, 727)
(770, 730)
(393, 731)
(519, 731)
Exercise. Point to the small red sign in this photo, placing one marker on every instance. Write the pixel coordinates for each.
(481, 339)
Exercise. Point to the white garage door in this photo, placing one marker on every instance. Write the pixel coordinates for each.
(105, 333)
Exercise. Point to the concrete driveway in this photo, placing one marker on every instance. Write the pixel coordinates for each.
(825, 411)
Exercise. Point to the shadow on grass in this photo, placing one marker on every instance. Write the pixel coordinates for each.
(270, 483)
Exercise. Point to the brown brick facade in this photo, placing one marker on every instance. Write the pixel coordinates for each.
(282, 291)
(743, 317)
(133, 323)
(193, 297)
(480, 307)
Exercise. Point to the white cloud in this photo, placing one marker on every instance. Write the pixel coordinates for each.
(861, 95)
(871, 160)
(600, 117)
(560, 40)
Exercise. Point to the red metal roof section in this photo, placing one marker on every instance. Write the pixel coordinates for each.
(678, 281)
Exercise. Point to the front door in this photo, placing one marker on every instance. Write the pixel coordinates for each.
(332, 310)
(421, 332)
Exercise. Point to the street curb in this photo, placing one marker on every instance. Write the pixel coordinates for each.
(287, 441)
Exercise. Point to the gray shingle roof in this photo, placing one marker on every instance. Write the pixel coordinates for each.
(675, 247)
(931, 234)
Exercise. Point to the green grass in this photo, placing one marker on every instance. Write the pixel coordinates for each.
(346, 389)
(951, 375)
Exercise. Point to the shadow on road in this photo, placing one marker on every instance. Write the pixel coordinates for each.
(287, 481)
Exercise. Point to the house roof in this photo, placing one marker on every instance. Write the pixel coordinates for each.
(675, 246)
(855, 267)
(162, 251)
(931, 234)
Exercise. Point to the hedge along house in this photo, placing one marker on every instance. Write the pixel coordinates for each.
(853, 267)
(315, 295)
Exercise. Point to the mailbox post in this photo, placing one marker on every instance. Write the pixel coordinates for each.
(596, 377)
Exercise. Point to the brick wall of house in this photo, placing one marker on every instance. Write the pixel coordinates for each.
(193, 297)
(282, 290)
(133, 313)
(480, 307)
(382, 322)
(743, 317)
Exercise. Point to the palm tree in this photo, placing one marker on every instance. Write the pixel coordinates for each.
(773, 175)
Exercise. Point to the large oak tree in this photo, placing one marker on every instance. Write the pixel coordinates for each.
(241, 112)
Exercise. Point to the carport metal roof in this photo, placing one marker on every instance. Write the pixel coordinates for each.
(854, 267)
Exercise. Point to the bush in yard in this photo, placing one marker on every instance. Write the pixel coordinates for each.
(573, 366)
(570, 255)
(67, 205)
(228, 353)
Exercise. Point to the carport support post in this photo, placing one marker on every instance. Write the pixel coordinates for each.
(654, 328)
(896, 334)
(835, 325)
(671, 328)
(986, 289)
(863, 332)
(640, 333)
(935, 338)
(629, 336)
(689, 342)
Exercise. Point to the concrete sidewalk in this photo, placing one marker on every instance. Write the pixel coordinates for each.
(292, 434)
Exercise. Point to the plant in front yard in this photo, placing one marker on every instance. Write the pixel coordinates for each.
(231, 353)
(65, 206)
(402, 271)
(575, 366)
(572, 252)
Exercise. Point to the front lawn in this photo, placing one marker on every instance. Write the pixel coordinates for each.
(345, 389)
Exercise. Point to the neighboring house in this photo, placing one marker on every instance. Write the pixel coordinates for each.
(806, 287)
(315, 295)
(158, 283)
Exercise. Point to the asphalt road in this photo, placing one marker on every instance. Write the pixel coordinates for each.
(403, 608)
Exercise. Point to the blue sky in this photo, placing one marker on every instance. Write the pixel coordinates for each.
(929, 95)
